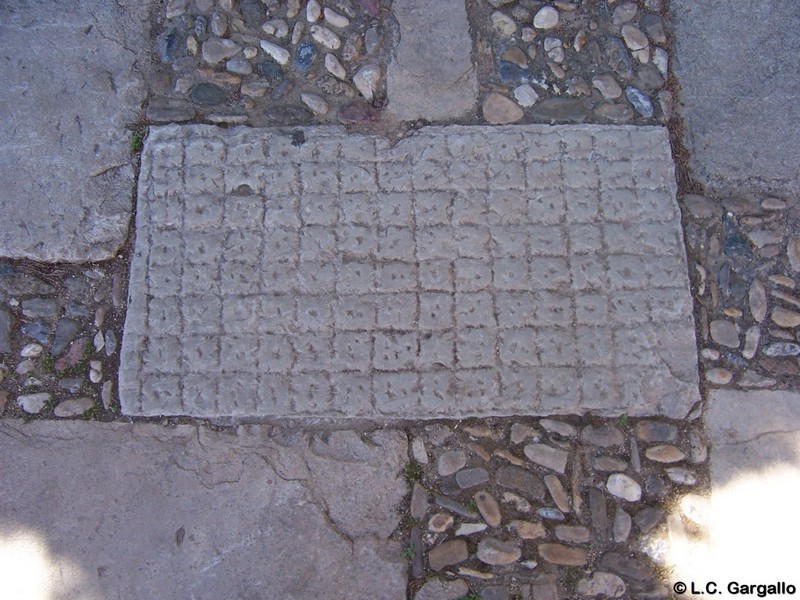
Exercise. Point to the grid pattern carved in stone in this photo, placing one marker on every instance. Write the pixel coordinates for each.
(462, 271)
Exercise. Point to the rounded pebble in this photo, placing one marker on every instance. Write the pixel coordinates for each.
(450, 462)
(315, 103)
(73, 407)
(497, 552)
(719, 376)
(499, 110)
(546, 18)
(622, 486)
(33, 403)
(31, 350)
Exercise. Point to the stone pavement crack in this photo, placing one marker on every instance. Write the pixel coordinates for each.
(777, 432)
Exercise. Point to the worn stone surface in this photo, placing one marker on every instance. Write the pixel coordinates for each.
(547, 456)
(736, 118)
(72, 84)
(450, 462)
(622, 486)
(360, 317)
(211, 505)
(489, 509)
(753, 439)
(602, 584)
(431, 75)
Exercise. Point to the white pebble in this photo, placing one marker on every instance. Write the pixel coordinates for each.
(334, 67)
(99, 341)
(335, 19)
(661, 61)
(366, 80)
(281, 55)
(546, 18)
(315, 103)
(192, 46)
(297, 32)
(528, 34)
(31, 350)
(470, 528)
(622, 486)
(292, 8)
(419, 451)
(277, 27)
(503, 24)
(313, 11)
(525, 95)
(33, 403)
(326, 37)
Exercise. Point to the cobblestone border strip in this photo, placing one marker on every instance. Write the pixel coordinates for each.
(745, 256)
(268, 62)
(551, 508)
(466, 270)
(572, 62)
(60, 329)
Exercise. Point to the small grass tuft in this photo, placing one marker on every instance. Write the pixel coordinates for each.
(50, 405)
(622, 421)
(92, 413)
(412, 473)
(408, 552)
(137, 139)
(48, 363)
(407, 522)
(571, 577)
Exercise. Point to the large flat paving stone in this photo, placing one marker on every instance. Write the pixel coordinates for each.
(737, 68)
(431, 75)
(90, 510)
(754, 440)
(71, 84)
(464, 271)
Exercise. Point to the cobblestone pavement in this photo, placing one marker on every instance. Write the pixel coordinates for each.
(572, 61)
(551, 508)
(412, 280)
(463, 271)
(746, 260)
(60, 332)
(297, 61)
(267, 62)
